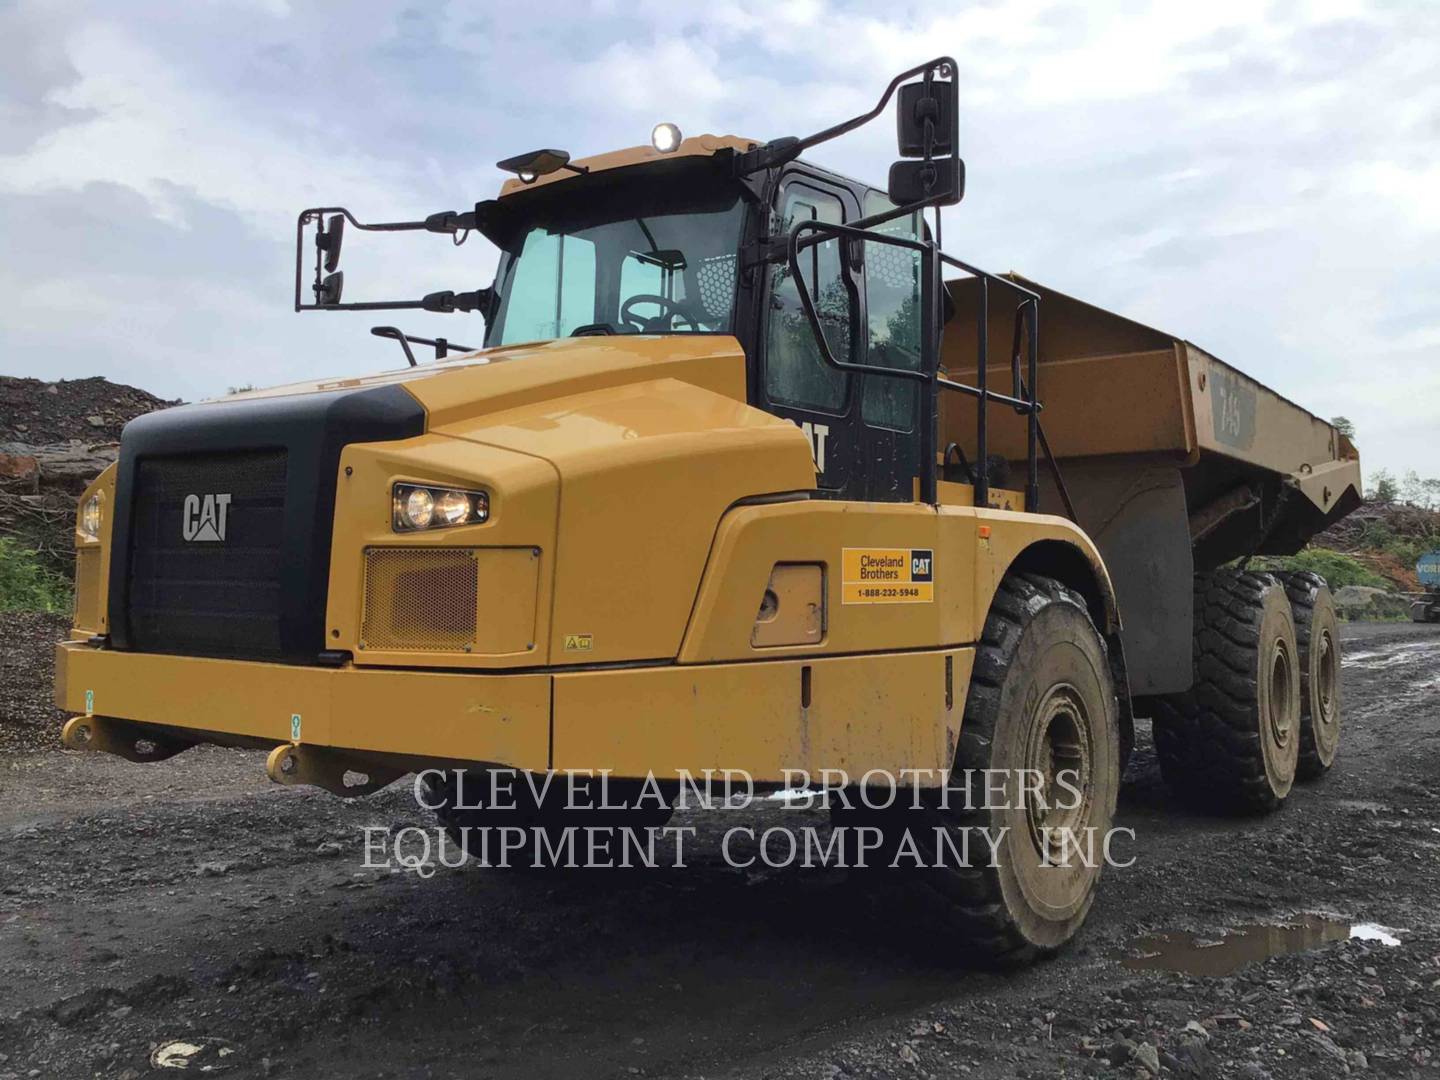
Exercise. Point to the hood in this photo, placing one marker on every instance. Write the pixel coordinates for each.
(470, 385)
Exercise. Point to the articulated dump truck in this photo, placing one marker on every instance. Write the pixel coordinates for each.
(749, 475)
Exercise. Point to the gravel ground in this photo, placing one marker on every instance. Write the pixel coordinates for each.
(191, 898)
(28, 720)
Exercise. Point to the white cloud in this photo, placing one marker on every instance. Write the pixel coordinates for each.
(1257, 177)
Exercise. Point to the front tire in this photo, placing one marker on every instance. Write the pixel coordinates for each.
(1041, 706)
(1231, 742)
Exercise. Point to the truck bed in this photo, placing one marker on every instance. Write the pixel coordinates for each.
(1176, 461)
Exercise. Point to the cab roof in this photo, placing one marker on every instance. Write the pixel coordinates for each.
(695, 146)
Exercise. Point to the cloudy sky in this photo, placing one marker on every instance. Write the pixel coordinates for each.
(1262, 178)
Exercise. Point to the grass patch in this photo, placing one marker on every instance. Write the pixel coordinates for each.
(26, 584)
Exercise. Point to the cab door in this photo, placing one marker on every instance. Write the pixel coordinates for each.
(796, 382)
(864, 429)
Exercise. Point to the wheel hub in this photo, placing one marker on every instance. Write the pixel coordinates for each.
(1279, 705)
(1060, 749)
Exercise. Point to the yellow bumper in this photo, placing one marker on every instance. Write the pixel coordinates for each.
(887, 711)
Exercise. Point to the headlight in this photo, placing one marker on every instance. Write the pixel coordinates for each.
(418, 507)
(91, 517)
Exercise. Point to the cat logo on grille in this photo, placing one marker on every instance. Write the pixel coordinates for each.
(205, 517)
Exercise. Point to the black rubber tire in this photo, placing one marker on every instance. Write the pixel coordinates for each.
(549, 816)
(1317, 634)
(1221, 744)
(1038, 642)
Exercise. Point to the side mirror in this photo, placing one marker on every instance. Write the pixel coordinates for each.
(913, 181)
(329, 291)
(927, 128)
(914, 106)
(329, 241)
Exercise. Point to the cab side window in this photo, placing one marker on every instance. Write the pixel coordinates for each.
(795, 372)
(892, 298)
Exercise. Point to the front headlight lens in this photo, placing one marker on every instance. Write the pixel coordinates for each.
(420, 507)
(91, 517)
(453, 508)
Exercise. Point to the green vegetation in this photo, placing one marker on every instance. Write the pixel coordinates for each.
(26, 585)
(1335, 567)
(1380, 536)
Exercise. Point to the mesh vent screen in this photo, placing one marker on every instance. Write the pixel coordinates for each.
(420, 599)
(717, 286)
(87, 588)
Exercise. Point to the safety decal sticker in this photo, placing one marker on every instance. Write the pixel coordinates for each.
(887, 576)
(295, 727)
(579, 642)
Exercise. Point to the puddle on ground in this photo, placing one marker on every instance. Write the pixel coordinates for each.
(1193, 954)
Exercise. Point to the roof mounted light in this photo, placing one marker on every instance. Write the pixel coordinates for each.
(530, 167)
(665, 138)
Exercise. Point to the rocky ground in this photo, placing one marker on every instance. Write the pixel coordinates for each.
(191, 899)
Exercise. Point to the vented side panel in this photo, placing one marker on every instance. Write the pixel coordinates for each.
(420, 599)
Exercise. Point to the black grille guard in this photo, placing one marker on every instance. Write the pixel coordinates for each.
(312, 430)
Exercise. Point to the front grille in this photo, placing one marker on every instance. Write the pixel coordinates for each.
(420, 599)
(208, 595)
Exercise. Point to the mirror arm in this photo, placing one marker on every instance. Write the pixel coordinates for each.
(447, 221)
(779, 151)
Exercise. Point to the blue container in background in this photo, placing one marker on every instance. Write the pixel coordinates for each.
(1428, 569)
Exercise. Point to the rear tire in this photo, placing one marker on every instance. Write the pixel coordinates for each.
(1317, 633)
(1231, 742)
(1041, 698)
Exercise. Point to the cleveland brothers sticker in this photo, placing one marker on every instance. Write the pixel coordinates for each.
(887, 575)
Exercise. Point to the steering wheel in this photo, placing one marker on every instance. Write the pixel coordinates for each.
(670, 310)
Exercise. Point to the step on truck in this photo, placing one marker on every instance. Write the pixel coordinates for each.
(748, 474)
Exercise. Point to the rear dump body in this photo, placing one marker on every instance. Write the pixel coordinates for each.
(655, 589)
(1175, 462)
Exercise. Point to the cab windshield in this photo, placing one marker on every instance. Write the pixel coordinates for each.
(643, 255)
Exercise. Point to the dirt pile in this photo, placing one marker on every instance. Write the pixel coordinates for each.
(1388, 538)
(39, 413)
(55, 437)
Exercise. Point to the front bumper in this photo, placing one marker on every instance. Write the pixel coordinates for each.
(888, 711)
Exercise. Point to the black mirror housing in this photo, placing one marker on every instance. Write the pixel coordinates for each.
(329, 241)
(329, 291)
(914, 105)
(942, 181)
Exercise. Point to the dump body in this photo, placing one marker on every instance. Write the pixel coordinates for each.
(1175, 461)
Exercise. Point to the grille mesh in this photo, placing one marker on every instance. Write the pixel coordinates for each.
(87, 588)
(208, 597)
(420, 599)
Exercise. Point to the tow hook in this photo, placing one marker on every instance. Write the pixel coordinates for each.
(133, 742)
(337, 772)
